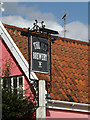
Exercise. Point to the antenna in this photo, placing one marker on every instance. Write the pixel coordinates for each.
(64, 18)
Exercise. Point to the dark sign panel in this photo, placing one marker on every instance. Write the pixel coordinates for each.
(39, 54)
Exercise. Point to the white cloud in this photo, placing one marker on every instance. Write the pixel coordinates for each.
(24, 23)
(75, 30)
(17, 21)
(28, 12)
(54, 25)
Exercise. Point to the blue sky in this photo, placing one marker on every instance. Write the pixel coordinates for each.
(23, 14)
(77, 11)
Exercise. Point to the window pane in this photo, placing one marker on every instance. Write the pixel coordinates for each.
(15, 82)
(21, 86)
(21, 81)
(4, 83)
(15, 85)
(9, 84)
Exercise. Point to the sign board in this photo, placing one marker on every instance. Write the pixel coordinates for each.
(39, 54)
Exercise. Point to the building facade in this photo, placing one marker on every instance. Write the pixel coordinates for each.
(69, 91)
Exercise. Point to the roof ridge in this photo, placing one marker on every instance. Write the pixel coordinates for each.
(14, 27)
(73, 40)
(61, 38)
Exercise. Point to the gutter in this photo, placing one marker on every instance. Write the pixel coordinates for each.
(72, 106)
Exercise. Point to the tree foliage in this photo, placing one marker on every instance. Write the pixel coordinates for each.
(15, 107)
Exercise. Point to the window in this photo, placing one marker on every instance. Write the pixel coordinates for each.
(14, 84)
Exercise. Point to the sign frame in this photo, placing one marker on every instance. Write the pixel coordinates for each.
(47, 62)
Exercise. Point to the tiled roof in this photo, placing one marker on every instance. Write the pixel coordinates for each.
(69, 66)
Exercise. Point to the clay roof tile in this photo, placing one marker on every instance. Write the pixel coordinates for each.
(69, 66)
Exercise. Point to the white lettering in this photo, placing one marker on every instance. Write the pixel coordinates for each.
(39, 56)
(40, 45)
(36, 45)
(44, 47)
(40, 64)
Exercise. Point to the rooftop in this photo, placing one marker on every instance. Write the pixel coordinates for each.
(69, 66)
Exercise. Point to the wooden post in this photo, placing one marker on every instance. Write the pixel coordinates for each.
(41, 110)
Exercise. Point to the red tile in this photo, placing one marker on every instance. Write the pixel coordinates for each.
(69, 64)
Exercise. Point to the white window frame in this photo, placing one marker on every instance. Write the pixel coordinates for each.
(12, 83)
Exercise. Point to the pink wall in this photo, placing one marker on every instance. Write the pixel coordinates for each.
(53, 113)
(28, 91)
(6, 57)
(0, 56)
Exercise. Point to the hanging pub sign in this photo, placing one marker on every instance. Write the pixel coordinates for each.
(39, 54)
